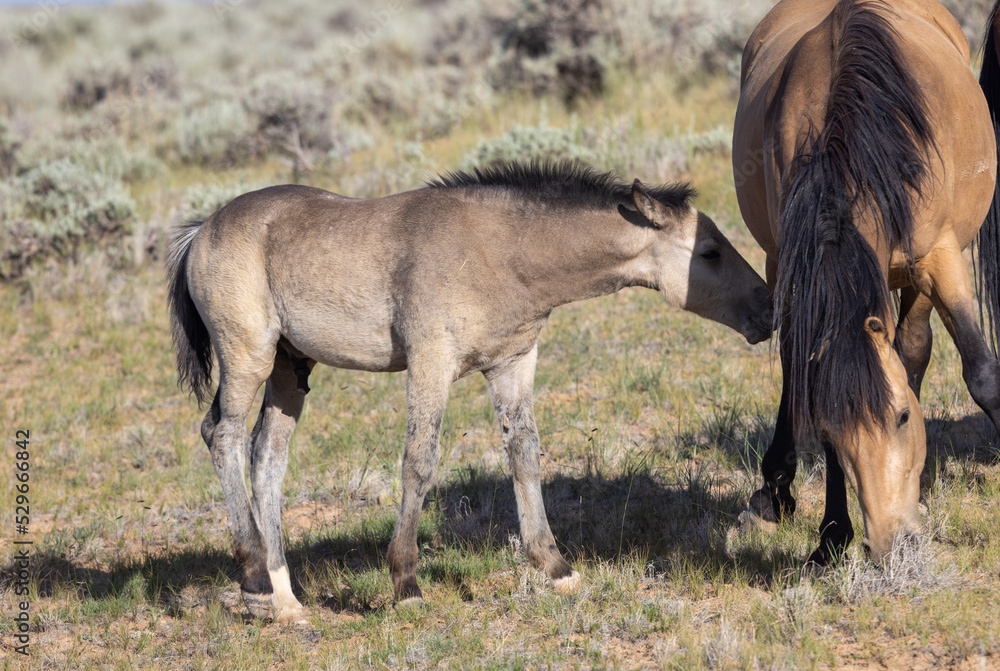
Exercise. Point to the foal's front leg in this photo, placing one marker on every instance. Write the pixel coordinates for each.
(427, 385)
(511, 390)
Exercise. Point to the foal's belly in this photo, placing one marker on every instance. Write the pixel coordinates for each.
(359, 341)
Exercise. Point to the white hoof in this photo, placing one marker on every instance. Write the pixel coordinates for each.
(295, 616)
(568, 584)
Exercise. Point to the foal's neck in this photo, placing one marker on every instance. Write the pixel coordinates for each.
(573, 254)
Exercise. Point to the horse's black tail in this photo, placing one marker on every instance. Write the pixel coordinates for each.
(191, 339)
(987, 257)
(867, 159)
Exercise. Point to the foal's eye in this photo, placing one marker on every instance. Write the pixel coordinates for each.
(710, 255)
(904, 418)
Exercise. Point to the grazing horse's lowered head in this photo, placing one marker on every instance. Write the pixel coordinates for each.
(883, 454)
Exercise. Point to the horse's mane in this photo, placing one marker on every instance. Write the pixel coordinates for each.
(987, 258)
(566, 182)
(867, 159)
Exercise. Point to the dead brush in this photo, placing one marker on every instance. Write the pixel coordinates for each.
(913, 567)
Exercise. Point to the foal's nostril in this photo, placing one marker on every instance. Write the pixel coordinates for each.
(866, 546)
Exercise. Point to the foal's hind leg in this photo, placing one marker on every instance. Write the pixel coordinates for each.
(511, 391)
(951, 292)
(268, 452)
(913, 335)
(224, 430)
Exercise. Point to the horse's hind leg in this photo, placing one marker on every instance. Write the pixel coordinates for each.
(224, 430)
(268, 453)
(511, 390)
(951, 293)
(914, 337)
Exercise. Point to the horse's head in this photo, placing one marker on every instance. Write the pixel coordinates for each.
(883, 461)
(699, 270)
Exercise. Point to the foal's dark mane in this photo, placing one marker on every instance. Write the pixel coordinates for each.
(867, 159)
(567, 183)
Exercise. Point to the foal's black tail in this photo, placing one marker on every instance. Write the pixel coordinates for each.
(191, 339)
(987, 260)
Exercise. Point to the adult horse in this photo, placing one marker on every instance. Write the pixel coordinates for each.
(865, 162)
(442, 281)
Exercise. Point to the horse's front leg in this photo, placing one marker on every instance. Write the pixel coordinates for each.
(511, 390)
(914, 337)
(835, 531)
(774, 501)
(427, 385)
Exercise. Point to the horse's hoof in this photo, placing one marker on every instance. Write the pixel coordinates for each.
(816, 566)
(259, 605)
(760, 505)
(296, 616)
(566, 584)
(410, 603)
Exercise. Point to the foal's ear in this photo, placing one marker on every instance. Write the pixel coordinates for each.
(648, 206)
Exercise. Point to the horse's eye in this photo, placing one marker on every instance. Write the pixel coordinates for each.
(904, 418)
(710, 255)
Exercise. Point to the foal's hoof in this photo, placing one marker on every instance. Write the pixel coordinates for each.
(259, 605)
(566, 584)
(296, 616)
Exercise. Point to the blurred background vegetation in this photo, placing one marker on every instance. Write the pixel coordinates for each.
(117, 119)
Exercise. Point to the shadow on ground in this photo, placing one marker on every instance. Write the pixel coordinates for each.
(677, 520)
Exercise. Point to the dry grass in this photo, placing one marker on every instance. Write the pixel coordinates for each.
(652, 421)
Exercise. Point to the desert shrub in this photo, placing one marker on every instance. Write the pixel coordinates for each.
(96, 82)
(292, 116)
(521, 143)
(220, 133)
(552, 46)
(200, 201)
(346, 139)
(10, 144)
(55, 208)
(105, 154)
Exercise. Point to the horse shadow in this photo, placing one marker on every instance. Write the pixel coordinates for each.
(679, 519)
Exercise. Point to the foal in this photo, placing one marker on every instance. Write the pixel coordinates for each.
(443, 281)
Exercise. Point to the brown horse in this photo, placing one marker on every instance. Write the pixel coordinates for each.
(442, 281)
(865, 162)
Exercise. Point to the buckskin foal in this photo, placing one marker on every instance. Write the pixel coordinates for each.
(442, 281)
